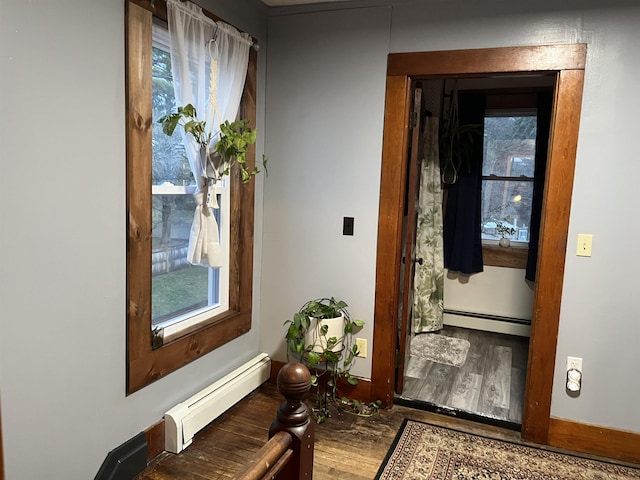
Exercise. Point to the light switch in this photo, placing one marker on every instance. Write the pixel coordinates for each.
(347, 226)
(585, 240)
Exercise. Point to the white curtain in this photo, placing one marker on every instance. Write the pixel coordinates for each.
(209, 66)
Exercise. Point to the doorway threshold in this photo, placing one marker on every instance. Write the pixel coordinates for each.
(457, 413)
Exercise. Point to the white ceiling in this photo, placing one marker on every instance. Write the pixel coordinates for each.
(282, 3)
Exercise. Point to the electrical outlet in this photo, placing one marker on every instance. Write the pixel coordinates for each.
(362, 347)
(574, 363)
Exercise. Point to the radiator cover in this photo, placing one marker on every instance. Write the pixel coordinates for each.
(184, 420)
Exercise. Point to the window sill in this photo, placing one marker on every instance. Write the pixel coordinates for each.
(509, 257)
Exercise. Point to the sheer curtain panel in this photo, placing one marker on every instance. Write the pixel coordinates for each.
(209, 66)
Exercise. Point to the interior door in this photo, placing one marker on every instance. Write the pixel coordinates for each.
(409, 237)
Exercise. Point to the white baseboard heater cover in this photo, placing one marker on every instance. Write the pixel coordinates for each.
(186, 419)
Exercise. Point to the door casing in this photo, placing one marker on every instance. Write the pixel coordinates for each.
(567, 62)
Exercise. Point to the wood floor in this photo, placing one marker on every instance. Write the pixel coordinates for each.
(490, 383)
(346, 446)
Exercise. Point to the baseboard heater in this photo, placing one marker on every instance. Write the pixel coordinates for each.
(488, 316)
(186, 419)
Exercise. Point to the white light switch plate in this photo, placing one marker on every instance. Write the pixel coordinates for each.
(585, 241)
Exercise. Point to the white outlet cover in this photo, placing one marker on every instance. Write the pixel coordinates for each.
(575, 363)
(362, 347)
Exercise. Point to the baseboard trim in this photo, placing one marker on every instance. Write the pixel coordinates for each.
(155, 440)
(594, 440)
(276, 365)
(126, 461)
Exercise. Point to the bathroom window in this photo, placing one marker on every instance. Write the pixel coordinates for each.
(507, 175)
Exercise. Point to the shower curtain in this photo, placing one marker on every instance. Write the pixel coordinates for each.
(429, 276)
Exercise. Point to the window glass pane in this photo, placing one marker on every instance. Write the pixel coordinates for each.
(509, 146)
(509, 151)
(170, 163)
(509, 203)
(178, 289)
(177, 286)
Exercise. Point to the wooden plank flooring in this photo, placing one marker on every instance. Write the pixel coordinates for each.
(346, 446)
(490, 383)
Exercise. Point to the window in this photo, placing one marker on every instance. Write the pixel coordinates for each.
(507, 175)
(160, 209)
(182, 294)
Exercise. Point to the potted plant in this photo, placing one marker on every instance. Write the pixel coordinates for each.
(229, 150)
(505, 231)
(320, 335)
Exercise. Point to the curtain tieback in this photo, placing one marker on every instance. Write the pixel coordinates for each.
(207, 196)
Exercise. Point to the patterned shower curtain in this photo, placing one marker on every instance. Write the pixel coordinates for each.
(429, 277)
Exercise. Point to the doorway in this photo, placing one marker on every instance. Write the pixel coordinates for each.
(472, 360)
(566, 62)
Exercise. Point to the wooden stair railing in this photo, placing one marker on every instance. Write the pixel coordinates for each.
(288, 455)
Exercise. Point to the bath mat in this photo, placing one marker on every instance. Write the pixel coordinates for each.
(440, 348)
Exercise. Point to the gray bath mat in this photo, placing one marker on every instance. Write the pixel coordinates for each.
(440, 348)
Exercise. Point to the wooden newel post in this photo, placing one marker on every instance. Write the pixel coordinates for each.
(294, 381)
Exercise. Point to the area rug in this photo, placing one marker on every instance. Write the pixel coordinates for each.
(440, 348)
(424, 452)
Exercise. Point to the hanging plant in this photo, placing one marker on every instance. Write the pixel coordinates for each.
(230, 149)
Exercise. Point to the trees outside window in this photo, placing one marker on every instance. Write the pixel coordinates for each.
(507, 174)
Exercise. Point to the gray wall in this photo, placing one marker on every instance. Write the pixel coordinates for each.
(62, 204)
(325, 106)
(324, 136)
(62, 215)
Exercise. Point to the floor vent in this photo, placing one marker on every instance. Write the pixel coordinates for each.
(186, 419)
(126, 461)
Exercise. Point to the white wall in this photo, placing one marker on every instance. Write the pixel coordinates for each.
(62, 211)
(495, 291)
(307, 100)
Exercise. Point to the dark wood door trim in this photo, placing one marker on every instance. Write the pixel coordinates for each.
(552, 248)
(389, 251)
(1, 451)
(542, 58)
(409, 240)
(567, 63)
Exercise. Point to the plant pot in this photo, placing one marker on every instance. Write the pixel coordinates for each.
(504, 242)
(335, 328)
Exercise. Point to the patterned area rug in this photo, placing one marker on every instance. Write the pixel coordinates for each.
(425, 452)
(440, 348)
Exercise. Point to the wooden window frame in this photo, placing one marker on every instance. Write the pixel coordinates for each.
(145, 364)
(504, 99)
(511, 257)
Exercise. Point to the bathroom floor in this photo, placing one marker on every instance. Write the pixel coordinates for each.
(490, 382)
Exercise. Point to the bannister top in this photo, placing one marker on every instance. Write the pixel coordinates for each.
(294, 381)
